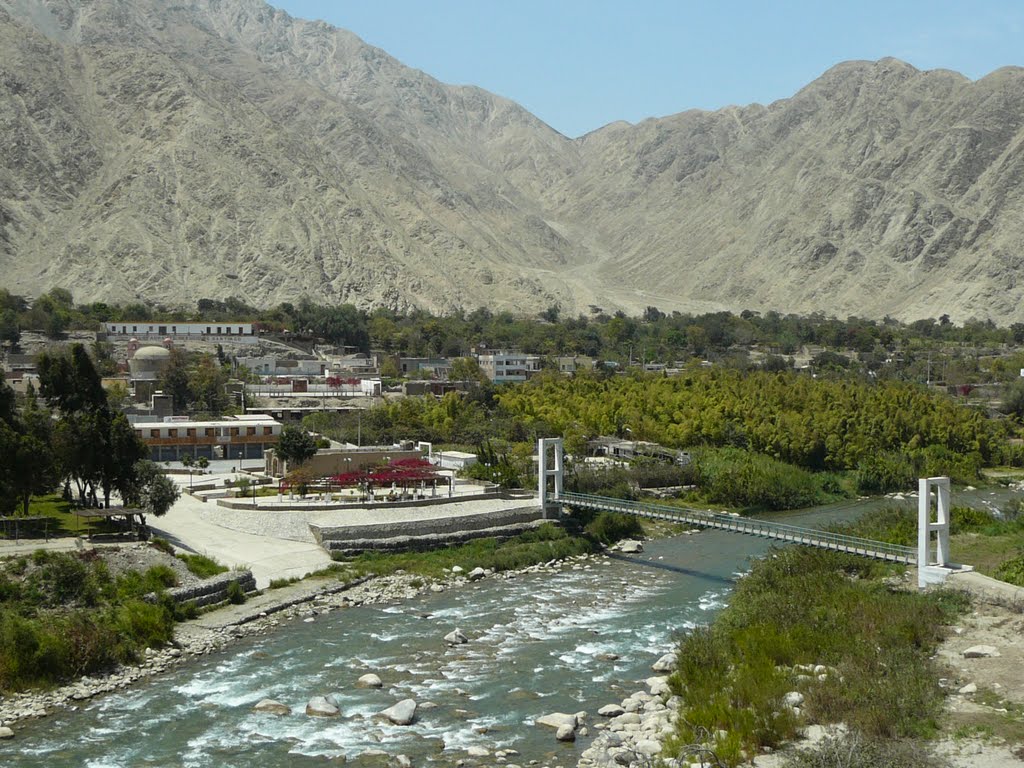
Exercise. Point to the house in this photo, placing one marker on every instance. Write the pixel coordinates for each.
(508, 367)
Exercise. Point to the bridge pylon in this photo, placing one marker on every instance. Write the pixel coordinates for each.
(550, 466)
(932, 570)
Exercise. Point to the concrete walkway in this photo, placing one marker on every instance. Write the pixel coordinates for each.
(268, 557)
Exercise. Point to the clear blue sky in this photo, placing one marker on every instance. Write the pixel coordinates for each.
(580, 64)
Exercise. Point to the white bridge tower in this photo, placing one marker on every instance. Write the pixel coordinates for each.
(550, 465)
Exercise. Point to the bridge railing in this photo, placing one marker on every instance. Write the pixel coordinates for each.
(752, 526)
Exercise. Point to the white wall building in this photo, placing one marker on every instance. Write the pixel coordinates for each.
(141, 329)
(508, 367)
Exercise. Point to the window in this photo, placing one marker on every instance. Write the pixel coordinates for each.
(190, 431)
(210, 432)
(268, 430)
(250, 431)
(154, 433)
(173, 432)
(234, 432)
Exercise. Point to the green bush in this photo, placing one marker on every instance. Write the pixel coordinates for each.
(162, 544)
(608, 527)
(885, 473)
(741, 478)
(236, 594)
(1012, 571)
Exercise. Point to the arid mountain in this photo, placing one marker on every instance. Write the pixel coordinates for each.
(210, 148)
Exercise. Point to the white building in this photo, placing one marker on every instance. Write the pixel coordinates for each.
(508, 367)
(142, 330)
(231, 438)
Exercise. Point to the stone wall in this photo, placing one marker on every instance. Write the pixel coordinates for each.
(434, 530)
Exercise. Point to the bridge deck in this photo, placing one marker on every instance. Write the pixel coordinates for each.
(810, 537)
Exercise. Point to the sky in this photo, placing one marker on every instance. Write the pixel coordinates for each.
(581, 64)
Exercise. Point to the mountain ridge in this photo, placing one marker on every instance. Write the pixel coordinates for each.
(222, 147)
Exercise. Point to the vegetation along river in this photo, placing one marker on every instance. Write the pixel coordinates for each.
(538, 644)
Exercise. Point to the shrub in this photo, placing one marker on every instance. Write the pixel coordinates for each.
(741, 478)
(855, 751)
(608, 527)
(1012, 571)
(162, 544)
(885, 473)
(236, 594)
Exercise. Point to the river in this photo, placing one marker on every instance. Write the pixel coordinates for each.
(538, 644)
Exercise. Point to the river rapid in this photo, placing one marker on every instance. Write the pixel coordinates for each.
(539, 643)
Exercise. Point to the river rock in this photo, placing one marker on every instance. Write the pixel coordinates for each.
(455, 637)
(403, 761)
(557, 720)
(319, 706)
(6, 733)
(981, 652)
(476, 574)
(969, 688)
(457, 569)
(648, 747)
(630, 546)
(666, 663)
(369, 680)
(272, 707)
(565, 733)
(402, 713)
(478, 751)
(610, 710)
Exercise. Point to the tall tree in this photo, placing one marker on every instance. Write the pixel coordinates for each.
(69, 380)
(296, 445)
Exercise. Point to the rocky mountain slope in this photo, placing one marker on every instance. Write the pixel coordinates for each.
(220, 147)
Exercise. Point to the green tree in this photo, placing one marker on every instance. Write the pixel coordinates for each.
(175, 380)
(296, 445)
(69, 381)
(150, 490)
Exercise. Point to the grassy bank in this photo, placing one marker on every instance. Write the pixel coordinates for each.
(63, 615)
(540, 545)
(993, 546)
(805, 607)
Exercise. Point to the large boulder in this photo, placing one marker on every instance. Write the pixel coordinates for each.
(270, 706)
(610, 710)
(565, 733)
(402, 713)
(981, 652)
(455, 637)
(476, 574)
(319, 706)
(557, 719)
(666, 663)
(6, 733)
(369, 680)
(630, 546)
(793, 699)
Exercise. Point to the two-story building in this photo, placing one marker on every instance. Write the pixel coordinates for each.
(239, 437)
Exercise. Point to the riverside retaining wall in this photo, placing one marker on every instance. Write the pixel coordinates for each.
(211, 591)
(412, 534)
